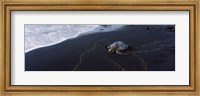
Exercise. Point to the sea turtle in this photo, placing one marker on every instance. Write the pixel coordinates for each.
(118, 47)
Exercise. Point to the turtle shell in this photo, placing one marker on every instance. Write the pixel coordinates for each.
(121, 45)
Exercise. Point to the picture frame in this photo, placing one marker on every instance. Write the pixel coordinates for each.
(96, 5)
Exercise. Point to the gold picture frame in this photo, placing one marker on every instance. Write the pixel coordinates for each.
(156, 5)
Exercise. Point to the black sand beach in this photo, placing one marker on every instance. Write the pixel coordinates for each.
(153, 50)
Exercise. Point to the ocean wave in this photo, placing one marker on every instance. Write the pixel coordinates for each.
(42, 35)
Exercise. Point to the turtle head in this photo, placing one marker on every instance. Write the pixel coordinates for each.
(111, 49)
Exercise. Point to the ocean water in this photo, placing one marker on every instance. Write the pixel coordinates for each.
(42, 35)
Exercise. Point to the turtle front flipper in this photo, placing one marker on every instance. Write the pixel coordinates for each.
(121, 53)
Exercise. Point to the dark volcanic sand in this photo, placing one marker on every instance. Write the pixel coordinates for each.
(153, 50)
